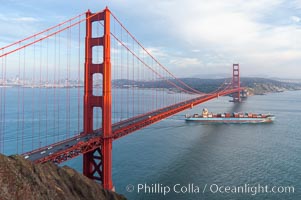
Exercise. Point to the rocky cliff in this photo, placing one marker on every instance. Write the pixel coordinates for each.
(260, 86)
(21, 179)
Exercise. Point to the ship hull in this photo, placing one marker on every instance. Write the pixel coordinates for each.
(230, 120)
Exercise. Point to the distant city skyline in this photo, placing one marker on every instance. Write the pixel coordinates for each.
(191, 38)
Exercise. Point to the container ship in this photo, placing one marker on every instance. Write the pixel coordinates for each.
(230, 117)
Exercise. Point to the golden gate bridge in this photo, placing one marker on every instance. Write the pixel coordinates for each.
(80, 85)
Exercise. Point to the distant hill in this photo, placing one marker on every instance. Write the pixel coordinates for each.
(262, 85)
(256, 86)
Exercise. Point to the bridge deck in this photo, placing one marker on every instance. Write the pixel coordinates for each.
(73, 147)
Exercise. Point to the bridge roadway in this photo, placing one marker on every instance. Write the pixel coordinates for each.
(82, 143)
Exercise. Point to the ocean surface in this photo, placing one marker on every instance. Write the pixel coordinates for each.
(175, 152)
(211, 157)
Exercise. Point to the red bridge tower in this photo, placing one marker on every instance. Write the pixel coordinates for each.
(236, 82)
(97, 164)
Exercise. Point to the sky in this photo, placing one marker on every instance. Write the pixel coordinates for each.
(192, 38)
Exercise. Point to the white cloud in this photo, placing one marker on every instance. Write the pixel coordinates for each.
(157, 52)
(12, 18)
(296, 3)
(295, 19)
(242, 31)
(185, 62)
(262, 35)
(25, 19)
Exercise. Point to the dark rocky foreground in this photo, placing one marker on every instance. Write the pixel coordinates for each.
(21, 179)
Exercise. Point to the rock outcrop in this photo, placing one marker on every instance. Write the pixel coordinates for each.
(21, 179)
